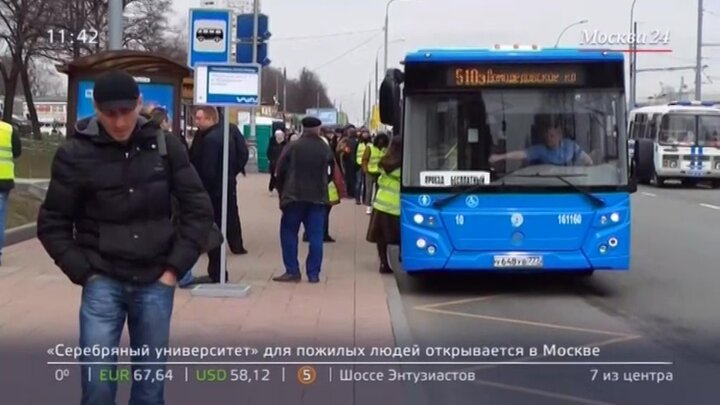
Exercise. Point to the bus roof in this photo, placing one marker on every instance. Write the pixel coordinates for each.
(449, 55)
(675, 108)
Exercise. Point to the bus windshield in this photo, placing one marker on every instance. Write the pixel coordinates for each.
(578, 132)
(681, 130)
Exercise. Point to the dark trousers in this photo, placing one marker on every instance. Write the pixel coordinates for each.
(351, 170)
(105, 305)
(326, 234)
(234, 234)
(312, 217)
(273, 180)
(360, 186)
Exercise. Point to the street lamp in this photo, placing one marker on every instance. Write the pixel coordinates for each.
(567, 28)
(387, 20)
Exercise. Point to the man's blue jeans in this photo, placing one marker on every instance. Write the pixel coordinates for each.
(105, 304)
(4, 195)
(312, 217)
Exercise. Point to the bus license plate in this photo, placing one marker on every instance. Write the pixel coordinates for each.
(518, 261)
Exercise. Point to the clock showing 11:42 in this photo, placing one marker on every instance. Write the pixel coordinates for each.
(89, 36)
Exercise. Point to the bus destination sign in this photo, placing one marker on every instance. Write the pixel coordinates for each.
(515, 76)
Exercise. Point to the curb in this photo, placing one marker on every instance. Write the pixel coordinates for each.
(20, 234)
(401, 327)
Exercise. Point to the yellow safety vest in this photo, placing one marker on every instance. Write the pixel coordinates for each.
(360, 152)
(387, 199)
(333, 194)
(375, 155)
(7, 161)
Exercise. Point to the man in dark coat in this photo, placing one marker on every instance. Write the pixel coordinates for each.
(106, 222)
(304, 171)
(206, 154)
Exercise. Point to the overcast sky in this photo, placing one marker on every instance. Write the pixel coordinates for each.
(425, 23)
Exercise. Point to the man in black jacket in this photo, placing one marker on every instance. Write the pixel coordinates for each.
(304, 171)
(206, 154)
(106, 222)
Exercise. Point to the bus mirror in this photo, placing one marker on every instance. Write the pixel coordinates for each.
(390, 98)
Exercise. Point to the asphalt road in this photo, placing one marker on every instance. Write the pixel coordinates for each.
(665, 309)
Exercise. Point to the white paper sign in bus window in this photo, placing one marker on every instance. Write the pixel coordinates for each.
(454, 178)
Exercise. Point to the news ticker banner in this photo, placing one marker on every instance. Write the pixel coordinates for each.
(310, 364)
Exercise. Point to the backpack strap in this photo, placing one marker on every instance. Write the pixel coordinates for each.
(161, 142)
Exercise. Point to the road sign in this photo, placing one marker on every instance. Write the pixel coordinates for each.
(210, 36)
(243, 53)
(225, 84)
(245, 23)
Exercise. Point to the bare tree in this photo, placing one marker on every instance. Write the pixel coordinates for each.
(22, 22)
(302, 93)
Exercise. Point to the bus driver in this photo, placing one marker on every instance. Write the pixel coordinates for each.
(556, 150)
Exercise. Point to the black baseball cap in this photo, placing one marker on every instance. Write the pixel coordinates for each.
(116, 89)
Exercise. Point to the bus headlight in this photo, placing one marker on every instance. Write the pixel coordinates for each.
(603, 249)
(615, 217)
(418, 218)
(612, 242)
(431, 250)
(421, 243)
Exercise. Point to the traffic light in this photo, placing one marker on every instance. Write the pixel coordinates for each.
(244, 34)
(243, 53)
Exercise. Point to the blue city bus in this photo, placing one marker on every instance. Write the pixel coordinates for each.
(558, 202)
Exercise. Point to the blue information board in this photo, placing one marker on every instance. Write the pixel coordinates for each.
(227, 84)
(209, 36)
(153, 95)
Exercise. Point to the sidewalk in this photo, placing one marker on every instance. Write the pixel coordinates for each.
(39, 309)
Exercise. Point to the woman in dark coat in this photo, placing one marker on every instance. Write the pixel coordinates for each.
(275, 147)
(384, 227)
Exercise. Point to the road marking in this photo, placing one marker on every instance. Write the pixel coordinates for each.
(533, 391)
(712, 207)
(523, 322)
(649, 194)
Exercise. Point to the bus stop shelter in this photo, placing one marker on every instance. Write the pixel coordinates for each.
(160, 80)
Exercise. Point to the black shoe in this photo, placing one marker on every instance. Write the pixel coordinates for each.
(313, 280)
(241, 251)
(328, 239)
(385, 269)
(358, 202)
(305, 238)
(288, 278)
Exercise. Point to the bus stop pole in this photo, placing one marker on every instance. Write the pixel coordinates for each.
(115, 25)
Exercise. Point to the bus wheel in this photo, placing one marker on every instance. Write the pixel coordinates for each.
(715, 184)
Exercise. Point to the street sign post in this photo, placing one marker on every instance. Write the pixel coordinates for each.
(209, 36)
(220, 82)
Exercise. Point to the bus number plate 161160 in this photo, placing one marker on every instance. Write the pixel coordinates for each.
(518, 261)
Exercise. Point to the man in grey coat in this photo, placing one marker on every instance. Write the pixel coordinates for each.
(303, 173)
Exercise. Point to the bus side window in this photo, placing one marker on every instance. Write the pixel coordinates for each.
(640, 124)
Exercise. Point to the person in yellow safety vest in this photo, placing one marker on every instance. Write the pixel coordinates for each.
(363, 142)
(384, 227)
(371, 166)
(336, 189)
(10, 149)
